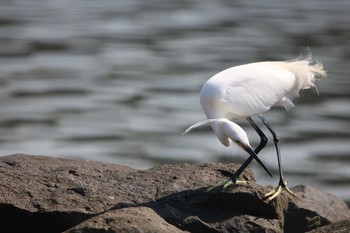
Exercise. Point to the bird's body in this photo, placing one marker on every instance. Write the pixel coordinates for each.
(237, 92)
(247, 90)
(252, 89)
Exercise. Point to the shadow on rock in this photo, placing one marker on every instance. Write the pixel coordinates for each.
(237, 208)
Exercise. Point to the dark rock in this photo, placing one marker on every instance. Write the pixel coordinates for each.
(338, 227)
(325, 204)
(314, 208)
(41, 194)
(235, 209)
(133, 219)
(46, 194)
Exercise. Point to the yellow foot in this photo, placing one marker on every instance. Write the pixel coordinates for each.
(224, 184)
(277, 191)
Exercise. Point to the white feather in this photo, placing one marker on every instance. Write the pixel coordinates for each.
(247, 90)
(199, 124)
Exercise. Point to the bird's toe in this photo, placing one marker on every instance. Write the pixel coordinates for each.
(277, 191)
(224, 184)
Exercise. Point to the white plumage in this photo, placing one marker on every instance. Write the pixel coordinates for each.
(252, 89)
(245, 90)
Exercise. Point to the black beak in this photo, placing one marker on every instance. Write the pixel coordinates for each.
(253, 154)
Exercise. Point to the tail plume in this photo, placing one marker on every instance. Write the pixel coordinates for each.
(306, 71)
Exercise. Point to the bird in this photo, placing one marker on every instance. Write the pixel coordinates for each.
(250, 90)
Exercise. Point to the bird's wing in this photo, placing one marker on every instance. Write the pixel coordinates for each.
(254, 88)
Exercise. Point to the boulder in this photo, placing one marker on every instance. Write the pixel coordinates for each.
(314, 208)
(133, 219)
(47, 194)
(338, 227)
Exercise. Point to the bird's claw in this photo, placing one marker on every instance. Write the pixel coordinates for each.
(277, 191)
(224, 184)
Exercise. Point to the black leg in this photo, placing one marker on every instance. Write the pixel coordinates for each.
(277, 145)
(263, 138)
(262, 144)
(282, 184)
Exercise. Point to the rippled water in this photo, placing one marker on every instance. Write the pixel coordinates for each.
(118, 81)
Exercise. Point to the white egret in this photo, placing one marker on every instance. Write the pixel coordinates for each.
(244, 91)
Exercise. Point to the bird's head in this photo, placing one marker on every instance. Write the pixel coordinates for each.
(226, 131)
(230, 130)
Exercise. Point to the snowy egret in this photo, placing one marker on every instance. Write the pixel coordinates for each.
(244, 91)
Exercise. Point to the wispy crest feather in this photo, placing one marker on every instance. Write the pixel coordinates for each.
(306, 71)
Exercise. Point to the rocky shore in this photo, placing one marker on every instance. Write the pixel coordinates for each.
(47, 194)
